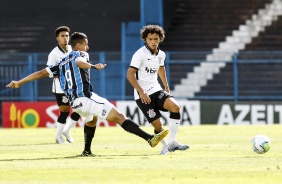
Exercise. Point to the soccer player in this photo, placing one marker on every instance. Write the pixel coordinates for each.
(59, 52)
(74, 75)
(146, 65)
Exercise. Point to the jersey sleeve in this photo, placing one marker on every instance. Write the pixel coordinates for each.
(51, 59)
(82, 55)
(85, 55)
(162, 59)
(53, 70)
(136, 60)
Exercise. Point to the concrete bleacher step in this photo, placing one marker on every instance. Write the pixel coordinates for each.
(197, 15)
(242, 36)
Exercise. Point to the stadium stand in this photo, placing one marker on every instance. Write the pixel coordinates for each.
(29, 27)
(270, 39)
(202, 25)
(199, 25)
(255, 80)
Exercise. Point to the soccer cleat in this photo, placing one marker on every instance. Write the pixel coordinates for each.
(157, 138)
(87, 154)
(60, 140)
(164, 150)
(177, 146)
(68, 136)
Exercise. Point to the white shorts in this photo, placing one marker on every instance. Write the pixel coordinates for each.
(93, 106)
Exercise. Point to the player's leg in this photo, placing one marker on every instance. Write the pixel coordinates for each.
(89, 132)
(61, 121)
(153, 115)
(64, 108)
(158, 127)
(74, 117)
(101, 107)
(130, 126)
(173, 107)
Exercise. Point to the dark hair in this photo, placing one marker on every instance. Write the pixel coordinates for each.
(152, 29)
(77, 37)
(60, 29)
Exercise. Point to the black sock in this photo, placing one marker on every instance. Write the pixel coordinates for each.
(75, 116)
(133, 128)
(88, 136)
(156, 132)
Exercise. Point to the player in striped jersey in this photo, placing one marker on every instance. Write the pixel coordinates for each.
(74, 75)
(146, 65)
(59, 52)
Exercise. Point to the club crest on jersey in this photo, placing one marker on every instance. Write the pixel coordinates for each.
(65, 99)
(151, 113)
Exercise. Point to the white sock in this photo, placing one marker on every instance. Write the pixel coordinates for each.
(60, 128)
(70, 123)
(164, 142)
(173, 128)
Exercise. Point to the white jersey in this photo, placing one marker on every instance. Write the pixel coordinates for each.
(147, 65)
(54, 57)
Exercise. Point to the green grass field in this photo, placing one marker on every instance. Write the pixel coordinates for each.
(217, 154)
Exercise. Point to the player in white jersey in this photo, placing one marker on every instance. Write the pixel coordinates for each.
(146, 65)
(59, 52)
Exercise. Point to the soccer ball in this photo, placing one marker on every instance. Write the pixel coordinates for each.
(261, 144)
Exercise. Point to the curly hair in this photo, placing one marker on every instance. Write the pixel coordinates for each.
(152, 29)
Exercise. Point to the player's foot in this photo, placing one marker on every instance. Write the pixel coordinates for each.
(157, 138)
(60, 140)
(68, 136)
(177, 146)
(87, 154)
(164, 150)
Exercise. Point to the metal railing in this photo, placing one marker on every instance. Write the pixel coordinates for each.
(111, 83)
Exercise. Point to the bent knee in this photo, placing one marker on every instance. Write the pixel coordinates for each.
(63, 117)
(64, 108)
(158, 126)
(117, 117)
(92, 123)
(175, 108)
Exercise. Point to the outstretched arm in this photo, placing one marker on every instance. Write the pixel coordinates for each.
(81, 63)
(34, 76)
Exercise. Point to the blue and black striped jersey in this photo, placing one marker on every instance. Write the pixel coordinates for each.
(74, 81)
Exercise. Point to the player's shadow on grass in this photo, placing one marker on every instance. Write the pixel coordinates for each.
(30, 159)
(78, 156)
(29, 144)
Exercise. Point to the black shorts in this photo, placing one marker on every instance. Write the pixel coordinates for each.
(152, 111)
(62, 99)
